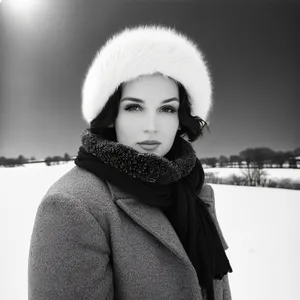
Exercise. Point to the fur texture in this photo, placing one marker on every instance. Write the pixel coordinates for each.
(144, 166)
(146, 50)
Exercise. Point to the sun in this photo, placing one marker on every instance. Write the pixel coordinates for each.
(19, 3)
(22, 7)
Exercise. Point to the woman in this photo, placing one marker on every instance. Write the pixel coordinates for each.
(133, 219)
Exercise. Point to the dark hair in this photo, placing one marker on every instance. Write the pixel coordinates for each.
(191, 126)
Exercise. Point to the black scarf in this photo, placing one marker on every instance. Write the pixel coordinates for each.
(172, 183)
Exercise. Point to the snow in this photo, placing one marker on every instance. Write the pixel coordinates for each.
(293, 174)
(260, 226)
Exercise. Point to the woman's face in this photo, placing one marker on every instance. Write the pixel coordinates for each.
(142, 107)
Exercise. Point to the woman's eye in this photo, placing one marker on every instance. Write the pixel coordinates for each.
(129, 107)
(167, 109)
(171, 109)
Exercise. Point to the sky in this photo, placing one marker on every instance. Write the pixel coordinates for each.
(46, 47)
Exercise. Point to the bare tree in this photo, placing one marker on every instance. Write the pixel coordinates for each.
(254, 175)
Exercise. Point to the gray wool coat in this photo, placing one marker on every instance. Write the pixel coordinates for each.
(92, 241)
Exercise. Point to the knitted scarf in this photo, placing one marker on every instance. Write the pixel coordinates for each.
(172, 183)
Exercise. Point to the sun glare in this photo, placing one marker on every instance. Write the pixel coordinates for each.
(20, 2)
(24, 10)
(24, 6)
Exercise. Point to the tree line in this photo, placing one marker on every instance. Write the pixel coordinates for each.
(248, 158)
(21, 160)
(256, 158)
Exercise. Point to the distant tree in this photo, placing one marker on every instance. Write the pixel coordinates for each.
(248, 156)
(279, 158)
(10, 162)
(223, 161)
(212, 161)
(297, 152)
(21, 160)
(297, 157)
(254, 175)
(282, 157)
(48, 161)
(67, 157)
(264, 156)
(291, 158)
(235, 160)
(2, 161)
(57, 159)
(257, 156)
(32, 158)
(238, 180)
(292, 162)
(203, 160)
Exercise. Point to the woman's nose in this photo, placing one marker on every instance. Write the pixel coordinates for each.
(150, 124)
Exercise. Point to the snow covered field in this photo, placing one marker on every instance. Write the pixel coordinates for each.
(293, 174)
(261, 226)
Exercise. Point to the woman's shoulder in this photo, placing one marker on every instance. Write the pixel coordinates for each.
(207, 194)
(80, 185)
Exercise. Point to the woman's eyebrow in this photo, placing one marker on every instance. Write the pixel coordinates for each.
(141, 101)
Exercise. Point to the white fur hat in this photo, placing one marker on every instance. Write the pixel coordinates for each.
(145, 50)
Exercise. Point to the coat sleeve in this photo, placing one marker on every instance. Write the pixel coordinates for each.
(221, 287)
(69, 255)
(213, 212)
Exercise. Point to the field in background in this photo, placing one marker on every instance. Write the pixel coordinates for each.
(260, 226)
(293, 174)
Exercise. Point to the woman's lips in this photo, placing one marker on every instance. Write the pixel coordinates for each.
(148, 146)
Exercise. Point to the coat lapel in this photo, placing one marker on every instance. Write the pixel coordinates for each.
(152, 220)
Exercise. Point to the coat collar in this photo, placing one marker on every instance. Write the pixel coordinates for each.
(153, 220)
(147, 167)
